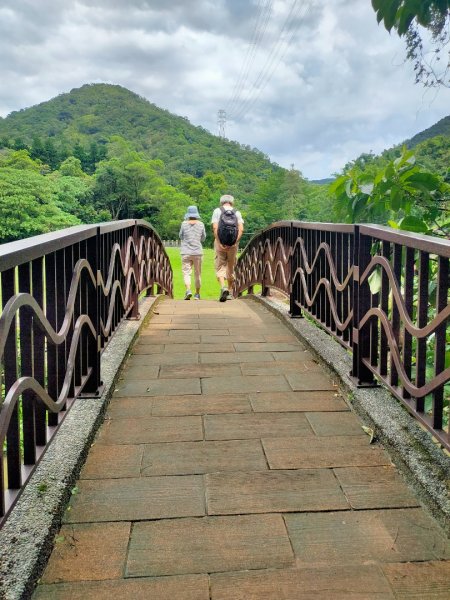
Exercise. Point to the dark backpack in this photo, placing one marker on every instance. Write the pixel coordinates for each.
(227, 229)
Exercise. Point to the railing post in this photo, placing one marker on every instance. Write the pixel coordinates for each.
(134, 315)
(295, 311)
(265, 290)
(93, 385)
(361, 304)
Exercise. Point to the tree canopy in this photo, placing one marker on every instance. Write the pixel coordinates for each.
(410, 18)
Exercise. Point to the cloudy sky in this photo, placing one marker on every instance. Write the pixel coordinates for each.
(309, 82)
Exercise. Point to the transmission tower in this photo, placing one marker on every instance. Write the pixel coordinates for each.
(221, 120)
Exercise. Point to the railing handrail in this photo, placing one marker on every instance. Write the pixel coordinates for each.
(326, 271)
(64, 295)
(18, 252)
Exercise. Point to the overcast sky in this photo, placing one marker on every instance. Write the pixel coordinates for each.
(312, 83)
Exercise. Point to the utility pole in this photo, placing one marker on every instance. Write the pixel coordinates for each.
(221, 120)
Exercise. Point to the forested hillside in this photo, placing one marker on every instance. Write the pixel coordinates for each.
(102, 152)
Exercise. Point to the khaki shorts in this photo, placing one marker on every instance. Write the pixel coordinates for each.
(224, 262)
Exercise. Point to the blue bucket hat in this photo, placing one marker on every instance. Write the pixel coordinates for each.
(192, 213)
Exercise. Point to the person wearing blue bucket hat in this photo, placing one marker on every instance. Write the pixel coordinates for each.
(192, 234)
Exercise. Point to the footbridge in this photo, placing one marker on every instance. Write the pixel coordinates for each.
(293, 442)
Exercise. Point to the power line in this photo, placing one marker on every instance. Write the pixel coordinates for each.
(276, 54)
(261, 23)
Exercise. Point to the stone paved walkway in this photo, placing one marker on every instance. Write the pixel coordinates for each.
(229, 468)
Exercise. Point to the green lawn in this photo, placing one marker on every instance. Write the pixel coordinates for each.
(210, 287)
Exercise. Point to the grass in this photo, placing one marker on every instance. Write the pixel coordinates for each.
(210, 287)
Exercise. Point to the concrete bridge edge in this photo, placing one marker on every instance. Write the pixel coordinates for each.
(423, 464)
(27, 537)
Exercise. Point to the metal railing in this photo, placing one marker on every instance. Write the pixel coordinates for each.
(382, 293)
(63, 296)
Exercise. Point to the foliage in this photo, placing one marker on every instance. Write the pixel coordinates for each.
(114, 155)
(400, 193)
(408, 17)
(29, 205)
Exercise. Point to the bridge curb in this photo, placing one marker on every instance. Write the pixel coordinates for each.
(28, 535)
(423, 464)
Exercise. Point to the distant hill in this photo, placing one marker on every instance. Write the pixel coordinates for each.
(325, 181)
(95, 112)
(121, 156)
(441, 128)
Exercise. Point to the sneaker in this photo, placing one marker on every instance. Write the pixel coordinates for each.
(188, 295)
(224, 293)
(196, 296)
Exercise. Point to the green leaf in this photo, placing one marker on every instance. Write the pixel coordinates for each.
(367, 188)
(374, 281)
(393, 224)
(411, 223)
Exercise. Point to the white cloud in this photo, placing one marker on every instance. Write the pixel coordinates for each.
(335, 84)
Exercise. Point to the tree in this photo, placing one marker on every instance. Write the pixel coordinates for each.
(409, 18)
(400, 194)
(28, 205)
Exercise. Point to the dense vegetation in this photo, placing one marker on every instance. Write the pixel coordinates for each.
(101, 152)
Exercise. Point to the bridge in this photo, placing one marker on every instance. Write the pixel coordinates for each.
(169, 449)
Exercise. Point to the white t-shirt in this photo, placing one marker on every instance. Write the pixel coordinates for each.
(217, 212)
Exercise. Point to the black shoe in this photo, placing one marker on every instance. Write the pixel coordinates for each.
(224, 293)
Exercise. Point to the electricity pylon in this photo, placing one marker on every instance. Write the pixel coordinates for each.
(221, 120)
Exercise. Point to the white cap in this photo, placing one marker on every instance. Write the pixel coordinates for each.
(226, 199)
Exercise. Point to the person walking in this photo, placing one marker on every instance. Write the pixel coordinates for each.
(192, 234)
(228, 227)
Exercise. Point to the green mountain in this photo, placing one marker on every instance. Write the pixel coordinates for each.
(105, 152)
(441, 128)
(96, 112)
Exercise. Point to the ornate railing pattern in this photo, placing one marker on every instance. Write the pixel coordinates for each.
(382, 293)
(63, 296)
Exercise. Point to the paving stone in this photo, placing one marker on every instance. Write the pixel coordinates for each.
(140, 348)
(279, 367)
(110, 462)
(136, 499)
(147, 431)
(208, 545)
(235, 357)
(283, 337)
(181, 348)
(359, 582)
(200, 370)
(310, 380)
(359, 537)
(201, 405)
(244, 384)
(215, 339)
(273, 491)
(297, 401)
(419, 581)
(93, 551)
(163, 359)
(320, 453)
(266, 347)
(202, 457)
(191, 337)
(158, 387)
(235, 427)
(374, 487)
(139, 373)
(175, 326)
(338, 423)
(131, 408)
(301, 356)
(184, 587)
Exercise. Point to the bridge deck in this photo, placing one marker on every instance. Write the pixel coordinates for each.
(229, 467)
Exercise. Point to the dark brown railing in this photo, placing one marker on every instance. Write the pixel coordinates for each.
(63, 296)
(382, 293)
